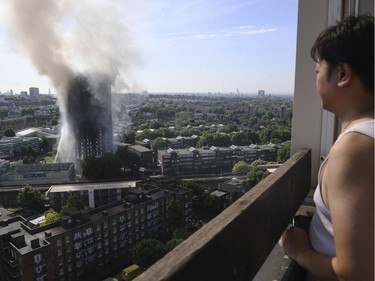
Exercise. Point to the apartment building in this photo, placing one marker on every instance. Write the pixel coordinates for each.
(22, 174)
(23, 255)
(86, 245)
(145, 155)
(213, 160)
(33, 91)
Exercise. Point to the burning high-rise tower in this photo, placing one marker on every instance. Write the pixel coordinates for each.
(70, 43)
(89, 115)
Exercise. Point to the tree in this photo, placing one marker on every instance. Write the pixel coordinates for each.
(276, 134)
(252, 136)
(195, 187)
(107, 166)
(156, 124)
(51, 216)
(9, 133)
(240, 168)
(228, 129)
(229, 118)
(27, 111)
(258, 162)
(25, 160)
(30, 198)
(151, 134)
(283, 153)
(171, 244)
(167, 133)
(129, 137)
(158, 143)
(174, 213)
(221, 140)
(256, 176)
(74, 201)
(44, 143)
(89, 167)
(183, 117)
(240, 138)
(234, 195)
(54, 122)
(29, 151)
(148, 251)
(3, 113)
(180, 233)
(207, 139)
(218, 110)
(213, 204)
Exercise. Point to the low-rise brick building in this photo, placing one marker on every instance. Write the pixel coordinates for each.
(87, 245)
(213, 160)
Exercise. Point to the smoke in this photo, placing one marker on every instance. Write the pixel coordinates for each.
(80, 46)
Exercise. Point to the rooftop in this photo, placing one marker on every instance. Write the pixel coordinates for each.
(92, 186)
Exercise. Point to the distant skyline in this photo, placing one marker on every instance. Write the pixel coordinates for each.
(195, 46)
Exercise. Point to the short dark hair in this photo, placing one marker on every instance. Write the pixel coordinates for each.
(351, 41)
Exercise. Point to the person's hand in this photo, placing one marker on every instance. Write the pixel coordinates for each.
(294, 242)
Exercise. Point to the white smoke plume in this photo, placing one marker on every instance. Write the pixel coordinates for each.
(67, 38)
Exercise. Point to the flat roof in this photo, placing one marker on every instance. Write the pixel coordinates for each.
(92, 186)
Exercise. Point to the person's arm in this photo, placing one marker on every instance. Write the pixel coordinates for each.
(295, 243)
(349, 178)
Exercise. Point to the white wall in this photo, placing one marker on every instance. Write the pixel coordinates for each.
(307, 112)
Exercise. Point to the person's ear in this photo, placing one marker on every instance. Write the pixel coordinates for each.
(344, 74)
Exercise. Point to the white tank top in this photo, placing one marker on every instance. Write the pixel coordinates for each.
(321, 230)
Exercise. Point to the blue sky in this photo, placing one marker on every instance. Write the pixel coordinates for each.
(188, 46)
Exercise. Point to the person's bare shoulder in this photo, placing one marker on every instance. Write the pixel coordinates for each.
(352, 160)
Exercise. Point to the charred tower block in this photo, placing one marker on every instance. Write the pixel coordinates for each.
(89, 114)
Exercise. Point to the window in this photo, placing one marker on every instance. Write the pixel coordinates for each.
(38, 258)
(38, 270)
(61, 271)
(58, 242)
(122, 218)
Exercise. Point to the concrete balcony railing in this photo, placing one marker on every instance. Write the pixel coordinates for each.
(235, 244)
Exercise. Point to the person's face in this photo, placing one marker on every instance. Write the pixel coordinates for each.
(325, 84)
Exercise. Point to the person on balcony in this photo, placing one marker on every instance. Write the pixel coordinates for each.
(340, 241)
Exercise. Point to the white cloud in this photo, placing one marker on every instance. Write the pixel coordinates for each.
(234, 31)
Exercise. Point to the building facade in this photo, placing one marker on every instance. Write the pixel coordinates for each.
(146, 156)
(89, 114)
(213, 160)
(22, 174)
(33, 91)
